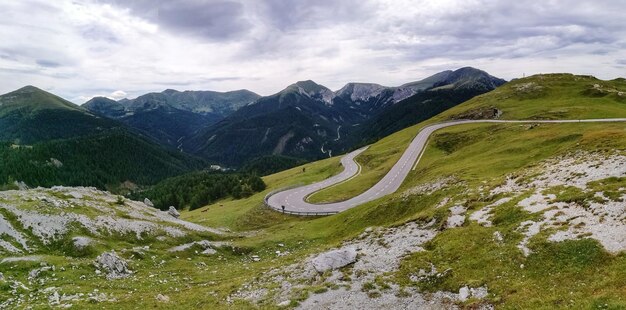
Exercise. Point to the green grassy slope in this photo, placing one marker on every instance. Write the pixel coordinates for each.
(550, 96)
(475, 155)
(575, 273)
(29, 115)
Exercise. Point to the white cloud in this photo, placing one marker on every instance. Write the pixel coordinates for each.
(77, 48)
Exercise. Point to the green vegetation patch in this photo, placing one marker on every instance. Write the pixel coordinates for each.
(197, 189)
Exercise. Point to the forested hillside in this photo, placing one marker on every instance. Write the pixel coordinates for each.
(197, 189)
(102, 160)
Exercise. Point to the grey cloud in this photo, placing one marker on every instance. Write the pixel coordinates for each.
(99, 32)
(505, 30)
(297, 14)
(48, 63)
(209, 19)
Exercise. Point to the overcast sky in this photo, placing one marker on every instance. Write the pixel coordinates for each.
(123, 48)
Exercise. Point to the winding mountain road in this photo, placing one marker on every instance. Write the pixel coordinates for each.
(293, 200)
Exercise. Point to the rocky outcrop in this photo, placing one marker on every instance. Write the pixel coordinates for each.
(115, 266)
(480, 113)
(334, 259)
(173, 212)
(81, 243)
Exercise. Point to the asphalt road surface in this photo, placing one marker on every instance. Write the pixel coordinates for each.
(293, 200)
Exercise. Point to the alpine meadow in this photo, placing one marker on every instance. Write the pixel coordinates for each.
(274, 154)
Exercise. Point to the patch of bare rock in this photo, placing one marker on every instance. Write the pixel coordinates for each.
(50, 214)
(350, 271)
(113, 265)
(539, 190)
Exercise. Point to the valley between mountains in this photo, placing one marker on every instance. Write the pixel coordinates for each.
(515, 203)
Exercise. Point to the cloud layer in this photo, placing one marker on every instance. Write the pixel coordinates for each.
(82, 48)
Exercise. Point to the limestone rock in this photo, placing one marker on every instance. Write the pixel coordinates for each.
(148, 203)
(455, 221)
(115, 266)
(162, 298)
(173, 212)
(81, 242)
(334, 259)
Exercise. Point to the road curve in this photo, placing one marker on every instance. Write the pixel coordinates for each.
(293, 200)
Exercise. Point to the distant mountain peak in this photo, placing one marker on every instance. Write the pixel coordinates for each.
(28, 88)
(105, 106)
(360, 91)
(469, 77)
(312, 90)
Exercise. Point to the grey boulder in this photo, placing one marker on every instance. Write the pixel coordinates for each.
(334, 259)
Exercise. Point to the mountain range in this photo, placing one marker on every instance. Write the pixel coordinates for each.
(46, 141)
(174, 132)
(307, 120)
(171, 116)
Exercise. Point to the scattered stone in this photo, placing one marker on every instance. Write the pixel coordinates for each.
(54, 299)
(455, 221)
(35, 272)
(81, 243)
(479, 293)
(497, 236)
(21, 185)
(205, 244)
(173, 212)
(334, 259)
(284, 303)
(457, 210)
(115, 266)
(148, 203)
(162, 298)
(209, 252)
(464, 293)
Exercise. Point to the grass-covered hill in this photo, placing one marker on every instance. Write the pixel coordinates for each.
(511, 216)
(104, 160)
(46, 141)
(546, 96)
(521, 239)
(551, 96)
(30, 115)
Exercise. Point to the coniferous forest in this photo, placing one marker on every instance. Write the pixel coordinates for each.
(197, 189)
